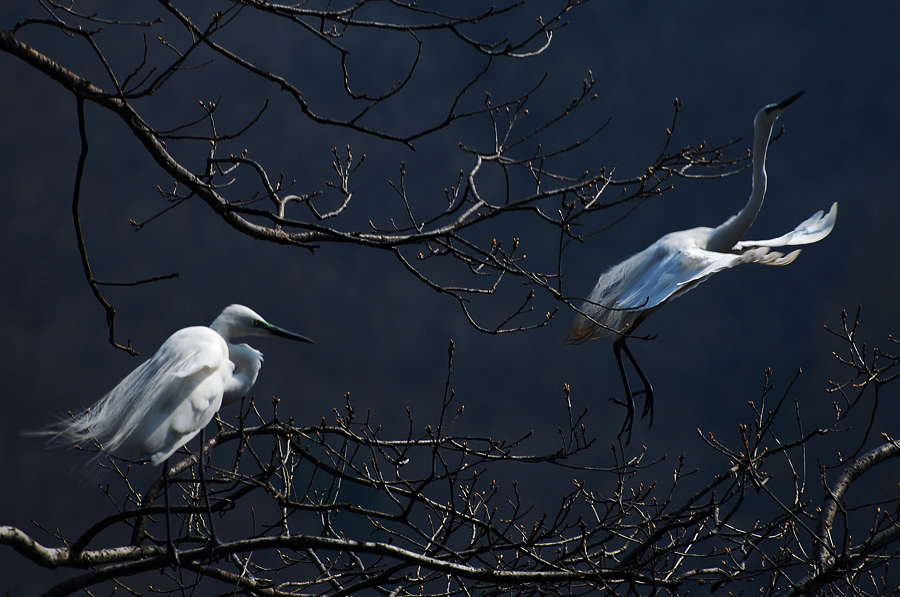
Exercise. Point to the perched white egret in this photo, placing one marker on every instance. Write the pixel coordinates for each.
(170, 398)
(628, 292)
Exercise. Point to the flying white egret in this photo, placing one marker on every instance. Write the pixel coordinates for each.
(628, 292)
(170, 398)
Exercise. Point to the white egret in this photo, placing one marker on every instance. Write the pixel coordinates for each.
(170, 398)
(628, 292)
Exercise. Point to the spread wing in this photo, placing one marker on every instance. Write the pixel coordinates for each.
(673, 265)
(681, 271)
(811, 230)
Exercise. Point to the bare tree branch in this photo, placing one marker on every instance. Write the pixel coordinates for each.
(526, 153)
(339, 508)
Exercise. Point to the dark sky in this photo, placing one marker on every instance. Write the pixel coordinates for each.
(382, 336)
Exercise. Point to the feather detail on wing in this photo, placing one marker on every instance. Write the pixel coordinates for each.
(810, 231)
(189, 354)
(648, 287)
(673, 265)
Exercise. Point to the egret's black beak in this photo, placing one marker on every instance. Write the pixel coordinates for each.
(282, 333)
(788, 101)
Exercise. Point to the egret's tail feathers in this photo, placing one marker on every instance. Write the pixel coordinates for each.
(72, 432)
(582, 331)
(585, 329)
(64, 431)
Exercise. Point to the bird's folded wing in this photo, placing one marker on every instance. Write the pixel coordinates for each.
(812, 230)
(183, 361)
(196, 360)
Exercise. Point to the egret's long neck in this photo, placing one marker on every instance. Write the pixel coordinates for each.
(724, 237)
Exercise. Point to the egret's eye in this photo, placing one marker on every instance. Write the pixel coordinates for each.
(257, 322)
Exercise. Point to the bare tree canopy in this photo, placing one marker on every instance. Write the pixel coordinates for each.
(516, 164)
(338, 509)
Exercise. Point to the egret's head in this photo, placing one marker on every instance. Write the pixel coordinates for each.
(238, 320)
(766, 117)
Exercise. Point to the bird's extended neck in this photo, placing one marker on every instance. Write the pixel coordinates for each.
(224, 327)
(727, 234)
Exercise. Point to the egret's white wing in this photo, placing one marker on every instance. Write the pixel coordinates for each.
(669, 267)
(188, 352)
(641, 282)
(677, 272)
(676, 265)
(811, 230)
(673, 265)
(163, 431)
(181, 396)
(116, 421)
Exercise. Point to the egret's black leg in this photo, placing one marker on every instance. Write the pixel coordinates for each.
(648, 389)
(618, 347)
(629, 399)
(214, 539)
(170, 545)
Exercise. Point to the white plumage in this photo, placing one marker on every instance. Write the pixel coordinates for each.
(170, 398)
(628, 292)
(672, 266)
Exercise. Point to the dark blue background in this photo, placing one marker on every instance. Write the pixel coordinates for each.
(382, 336)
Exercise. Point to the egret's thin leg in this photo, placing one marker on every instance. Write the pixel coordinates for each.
(618, 345)
(214, 538)
(170, 545)
(648, 389)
